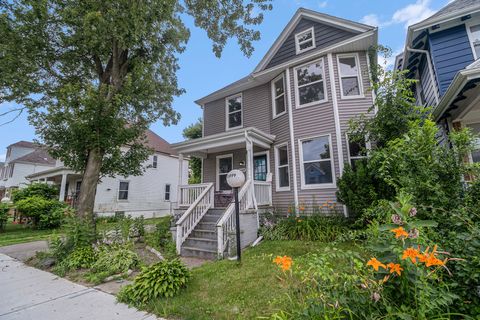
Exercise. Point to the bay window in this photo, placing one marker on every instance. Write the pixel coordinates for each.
(281, 165)
(316, 162)
(310, 84)
(348, 69)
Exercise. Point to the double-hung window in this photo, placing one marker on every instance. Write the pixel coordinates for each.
(475, 156)
(155, 162)
(234, 108)
(357, 151)
(310, 84)
(167, 192)
(123, 190)
(474, 35)
(350, 82)
(305, 40)
(281, 164)
(317, 163)
(278, 96)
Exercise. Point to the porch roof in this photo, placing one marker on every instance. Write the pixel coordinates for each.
(58, 171)
(228, 140)
(462, 93)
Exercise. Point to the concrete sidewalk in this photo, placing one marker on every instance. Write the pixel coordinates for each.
(28, 293)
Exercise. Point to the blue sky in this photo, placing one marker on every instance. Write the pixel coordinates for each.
(202, 73)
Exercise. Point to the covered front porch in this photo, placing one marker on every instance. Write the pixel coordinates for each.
(69, 182)
(206, 220)
(460, 105)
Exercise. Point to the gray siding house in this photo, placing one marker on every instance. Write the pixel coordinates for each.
(285, 125)
(442, 52)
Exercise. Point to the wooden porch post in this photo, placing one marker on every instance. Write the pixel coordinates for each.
(180, 178)
(63, 185)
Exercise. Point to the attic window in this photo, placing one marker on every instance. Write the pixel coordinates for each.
(305, 40)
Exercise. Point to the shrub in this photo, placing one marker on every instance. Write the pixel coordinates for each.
(163, 279)
(42, 190)
(162, 238)
(308, 228)
(80, 258)
(112, 260)
(45, 213)
(4, 209)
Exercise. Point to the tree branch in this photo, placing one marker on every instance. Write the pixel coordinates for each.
(20, 111)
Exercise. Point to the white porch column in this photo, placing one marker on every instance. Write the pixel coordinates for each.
(249, 160)
(180, 177)
(63, 186)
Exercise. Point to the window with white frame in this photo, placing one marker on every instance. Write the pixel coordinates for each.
(224, 166)
(349, 72)
(12, 167)
(474, 34)
(310, 84)
(281, 165)
(317, 164)
(278, 92)
(357, 151)
(123, 190)
(155, 162)
(475, 156)
(167, 192)
(305, 40)
(234, 111)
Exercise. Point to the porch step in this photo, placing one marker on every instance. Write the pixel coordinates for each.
(210, 218)
(205, 234)
(201, 243)
(212, 226)
(199, 253)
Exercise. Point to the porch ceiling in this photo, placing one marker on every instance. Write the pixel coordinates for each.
(228, 140)
(51, 173)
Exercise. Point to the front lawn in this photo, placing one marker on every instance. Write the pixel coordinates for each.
(226, 290)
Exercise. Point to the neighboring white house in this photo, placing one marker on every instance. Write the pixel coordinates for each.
(152, 194)
(23, 158)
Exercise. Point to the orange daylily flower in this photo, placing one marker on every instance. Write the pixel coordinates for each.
(301, 208)
(375, 264)
(395, 267)
(285, 262)
(400, 232)
(411, 253)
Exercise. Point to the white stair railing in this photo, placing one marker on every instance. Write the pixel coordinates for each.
(190, 193)
(263, 192)
(195, 212)
(227, 223)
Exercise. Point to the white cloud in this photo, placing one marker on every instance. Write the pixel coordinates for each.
(2, 157)
(407, 15)
(323, 4)
(413, 13)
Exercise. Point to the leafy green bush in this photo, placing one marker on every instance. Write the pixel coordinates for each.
(80, 258)
(112, 260)
(45, 213)
(308, 228)
(4, 209)
(162, 238)
(163, 279)
(42, 190)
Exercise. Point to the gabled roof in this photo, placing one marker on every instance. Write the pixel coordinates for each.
(315, 16)
(40, 156)
(24, 144)
(159, 144)
(457, 6)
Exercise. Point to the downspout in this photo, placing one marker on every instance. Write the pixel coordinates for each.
(292, 140)
(430, 69)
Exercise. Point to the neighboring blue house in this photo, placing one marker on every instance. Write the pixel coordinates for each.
(442, 52)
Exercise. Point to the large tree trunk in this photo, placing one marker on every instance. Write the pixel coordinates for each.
(88, 189)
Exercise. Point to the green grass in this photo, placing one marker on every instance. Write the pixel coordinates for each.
(17, 233)
(226, 290)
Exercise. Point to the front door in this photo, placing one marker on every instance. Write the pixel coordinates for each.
(260, 167)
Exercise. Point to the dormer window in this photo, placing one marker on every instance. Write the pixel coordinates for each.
(305, 40)
(474, 35)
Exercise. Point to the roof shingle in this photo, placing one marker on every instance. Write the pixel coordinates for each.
(39, 156)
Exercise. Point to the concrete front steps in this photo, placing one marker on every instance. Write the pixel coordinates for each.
(202, 242)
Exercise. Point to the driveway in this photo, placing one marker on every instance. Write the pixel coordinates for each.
(28, 293)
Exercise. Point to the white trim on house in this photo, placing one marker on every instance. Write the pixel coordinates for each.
(325, 93)
(227, 112)
(298, 43)
(336, 115)
(278, 188)
(305, 186)
(274, 97)
(292, 139)
(217, 169)
(468, 25)
(267, 153)
(354, 55)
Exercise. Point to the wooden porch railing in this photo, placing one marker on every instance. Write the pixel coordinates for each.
(227, 223)
(199, 206)
(190, 193)
(263, 193)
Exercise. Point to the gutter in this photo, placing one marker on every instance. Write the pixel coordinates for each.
(430, 69)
